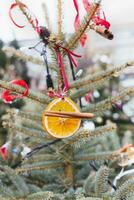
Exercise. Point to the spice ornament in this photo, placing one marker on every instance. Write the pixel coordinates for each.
(62, 118)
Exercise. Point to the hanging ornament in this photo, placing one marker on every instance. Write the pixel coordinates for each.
(9, 97)
(61, 127)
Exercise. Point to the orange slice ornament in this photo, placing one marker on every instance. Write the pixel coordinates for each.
(60, 126)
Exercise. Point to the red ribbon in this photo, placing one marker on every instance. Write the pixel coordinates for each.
(3, 150)
(77, 23)
(14, 5)
(97, 19)
(61, 64)
(88, 97)
(58, 94)
(8, 97)
(87, 5)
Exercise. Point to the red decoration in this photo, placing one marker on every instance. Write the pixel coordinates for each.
(34, 20)
(8, 97)
(88, 97)
(3, 150)
(97, 19)
(77, 23)
(61, 64)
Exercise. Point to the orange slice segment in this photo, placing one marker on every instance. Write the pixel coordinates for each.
(60, 127)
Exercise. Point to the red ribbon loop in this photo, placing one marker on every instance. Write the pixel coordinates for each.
(8, 97)
(14, 5)
(77, 23)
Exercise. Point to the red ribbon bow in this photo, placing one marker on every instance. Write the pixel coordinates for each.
(61, 64)
(8, 97)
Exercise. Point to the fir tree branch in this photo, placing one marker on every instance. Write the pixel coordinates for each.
(84, 136)
(83, 90)
(109, 102)
(100, 76)
(53, 165)
(59, 8)
(124, 190)
(16, 180)
(28, 123)
(37, 97)
(26, 115)
(40, 158)
(24, 57)
(101, 183)
(39, 135)
(83, 27)
(97, 156)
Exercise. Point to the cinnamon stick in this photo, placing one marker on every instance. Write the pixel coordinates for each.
(69, 114)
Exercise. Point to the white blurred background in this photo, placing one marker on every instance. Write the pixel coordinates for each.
(118, 12)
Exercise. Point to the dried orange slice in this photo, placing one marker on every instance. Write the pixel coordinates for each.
(60, 127)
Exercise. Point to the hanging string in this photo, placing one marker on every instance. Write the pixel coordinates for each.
(49, 81)
(34, 151)
(74, 77)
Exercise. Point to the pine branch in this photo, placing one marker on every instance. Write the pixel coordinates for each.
(97, 156)
(35, 125)
(100, 76)
(44, 195)
(24, 57)
(83, 27)
(25, 115)
(40, 158)
(89, 183)
(84, 89)
(16, 180)
(109, 102)
(84, 136)
(39, 135)
(59, 8)
(101, 183)
(53, 165)
(125, 190)
(37, 97)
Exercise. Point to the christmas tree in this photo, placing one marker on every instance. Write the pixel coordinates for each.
(52, 151)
